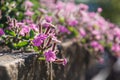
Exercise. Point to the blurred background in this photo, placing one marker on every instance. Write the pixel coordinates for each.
(111, 8)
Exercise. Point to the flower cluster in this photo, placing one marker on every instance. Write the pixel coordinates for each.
(41, 28)
(29, 33)
(89, 28)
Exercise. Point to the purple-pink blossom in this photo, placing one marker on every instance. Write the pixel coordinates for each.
(28, 21)
(96, 46)
(45, 25)
(50, 56)
(20, 24)
(34, 27)
(115, 48)
(99, 10)
(59, 5)
(64, 61)
(29, 13)
(72, 22)
(1, 32)
(63, 29)
(82, 32)
(83, 7)
(39, 39)
(48, 19)
(25, 30)
(28, 4)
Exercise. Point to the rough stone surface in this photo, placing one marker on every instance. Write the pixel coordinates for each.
(22, 67)
(25, 66)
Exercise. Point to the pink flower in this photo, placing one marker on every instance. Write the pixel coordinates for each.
(96, 46)
(28, 21)
(34, 27)
(59, 5)
(92, 14)
(25, 30)
(117, 32)
(42, 10)
(63, 29)
(45, 25)
(72, 22)
(69, 8)
(83, 7)
(116, 48)
(39, 39)
(64, 62)
(101, 60)
(94, 43)
(1, 32)
(28, 4)
(29, 13)
(99, 10)
(82, 32)
(50, 56)
(20, 24)
(48, 19)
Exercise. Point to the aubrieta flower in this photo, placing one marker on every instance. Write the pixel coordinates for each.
(101, 60)
(116, 48)
(28, 4)
(39, 40)
(29, 13)
(59, 5)
(82, 32)
(83, 7)
(96, 46)
(64, 61)
(42, 10)
(50, 56)
(25, 30)
(34, 27)
(72, 22)
(117, 32)
(99, 10)
(48, 19)
(20, 24)
(63, 29)
(45, 25)
(1, 32)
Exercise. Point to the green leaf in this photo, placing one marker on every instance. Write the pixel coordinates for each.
(1, 25)
(22, 44)
(35, 48)
(61, 20)
(83, 40)
(32, 34)
(12, 45)
(10, 32)
(41, 58)
(73, 31)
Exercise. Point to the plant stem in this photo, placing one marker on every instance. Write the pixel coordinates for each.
(51, 74)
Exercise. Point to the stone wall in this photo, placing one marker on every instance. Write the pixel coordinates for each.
(25, 66)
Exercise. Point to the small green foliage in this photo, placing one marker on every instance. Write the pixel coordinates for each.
(41, 58)
(32, 34)
(10, 32)
(18, 45)
(74, 32)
